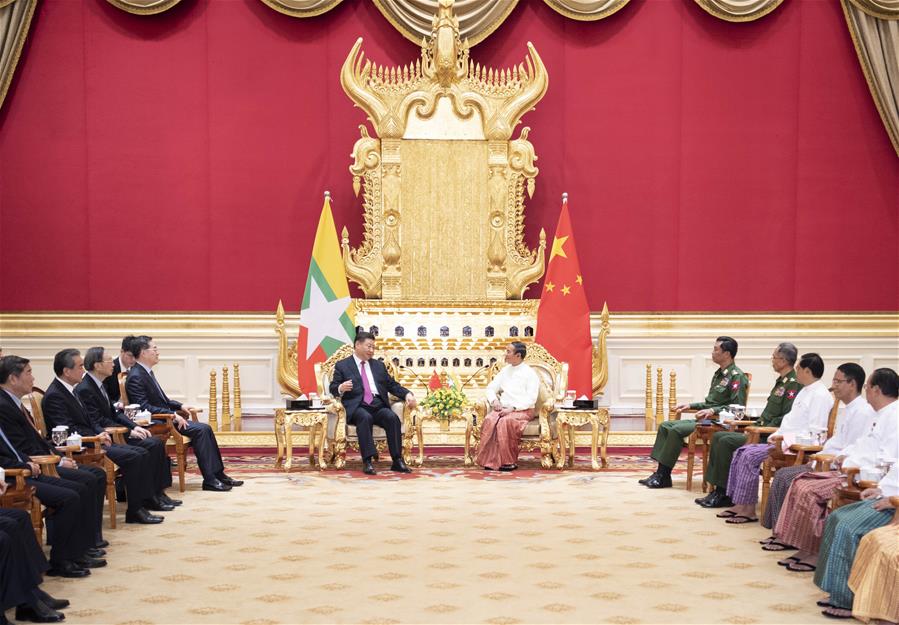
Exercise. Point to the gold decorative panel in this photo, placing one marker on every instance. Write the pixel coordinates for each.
(443, 180)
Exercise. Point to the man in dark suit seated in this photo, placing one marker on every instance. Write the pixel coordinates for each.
(143, 389)
(22, 565)
(72, 528)
(62, 407)
(363, 385)
(123, 362)
(92, 393)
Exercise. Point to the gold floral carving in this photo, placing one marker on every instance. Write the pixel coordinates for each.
(443, 160)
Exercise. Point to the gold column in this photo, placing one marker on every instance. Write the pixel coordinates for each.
(660, 399)
(650, 417)
(237, 409)
(213, 403)
(226, 401)
(672, 394)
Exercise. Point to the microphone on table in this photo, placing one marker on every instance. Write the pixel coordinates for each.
(414, 374)
(473, 375)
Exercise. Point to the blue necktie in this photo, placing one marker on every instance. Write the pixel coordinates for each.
(8, 444)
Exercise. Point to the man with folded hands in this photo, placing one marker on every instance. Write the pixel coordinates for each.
(144, 389)
(92, 393)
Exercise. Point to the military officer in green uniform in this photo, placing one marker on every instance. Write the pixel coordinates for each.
(728, 387)
(780, 400)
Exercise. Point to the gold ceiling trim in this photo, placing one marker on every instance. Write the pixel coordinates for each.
(881, 9)
(143, 7)
(586, 10)
(626, 324)
(302, 8)
(738, 10)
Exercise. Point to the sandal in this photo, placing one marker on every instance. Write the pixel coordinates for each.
(726, 514)
(768, 540)
(776, 546)
(741, 519)
(801, 567)
(835, 612)
(823, 603)
(788, 561)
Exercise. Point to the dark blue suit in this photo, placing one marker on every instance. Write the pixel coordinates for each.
(143, 389)
(365, 416)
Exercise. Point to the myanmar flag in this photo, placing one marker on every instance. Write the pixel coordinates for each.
(563, 319)
(327, 315)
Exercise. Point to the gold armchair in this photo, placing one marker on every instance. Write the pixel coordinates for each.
(542, 430)
(340, 434)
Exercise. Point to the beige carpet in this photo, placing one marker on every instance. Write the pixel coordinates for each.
(442, 547)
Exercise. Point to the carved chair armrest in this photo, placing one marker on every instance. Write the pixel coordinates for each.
(754, 433)
(117, 434)
(46, 460)
(20, 475)
(821, 460)
(678, 415)
(866, 484)
(851, 474)
(194, 412)
(94, 441)
(802, 450)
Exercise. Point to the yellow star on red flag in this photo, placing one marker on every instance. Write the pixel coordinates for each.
(558, 248)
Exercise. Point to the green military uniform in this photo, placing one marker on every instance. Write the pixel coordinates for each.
(728, 387)
(724, 444)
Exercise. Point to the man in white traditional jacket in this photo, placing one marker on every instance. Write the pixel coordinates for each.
(512, 395)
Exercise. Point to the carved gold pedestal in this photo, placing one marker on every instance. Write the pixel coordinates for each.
(568, 420)
(425, 415)
(315, 420)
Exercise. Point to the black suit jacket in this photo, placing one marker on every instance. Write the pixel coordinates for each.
(9, 411)
(62, 408)
(143, 390)
(346, 369)
(26, 440)
(112, 382)
(100, 410)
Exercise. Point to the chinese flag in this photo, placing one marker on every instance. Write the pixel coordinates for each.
(563, 319)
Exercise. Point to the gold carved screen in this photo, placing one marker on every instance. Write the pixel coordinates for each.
(443, 181)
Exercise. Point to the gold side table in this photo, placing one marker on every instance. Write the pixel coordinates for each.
(317, 422)
(567, 420)
(425, 415)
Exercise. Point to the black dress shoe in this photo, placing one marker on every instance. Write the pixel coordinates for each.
(367, 468)
(93, 552)
(166, 499)
(717, 500)
(702, 500)
(66, 568)
(157, 505)
(90, 563)
(141, 515)
(508, 467)
(37, 612)
(216, 485)
(51, 602)
(645, 480)
(230, 481)
(400, 467)
(659, 481)
(102, 544)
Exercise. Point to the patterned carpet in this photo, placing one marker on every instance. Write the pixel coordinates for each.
(445, 545)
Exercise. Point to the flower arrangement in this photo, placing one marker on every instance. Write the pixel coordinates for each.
(445, 401)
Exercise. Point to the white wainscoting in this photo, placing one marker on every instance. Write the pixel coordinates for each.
(193, 344)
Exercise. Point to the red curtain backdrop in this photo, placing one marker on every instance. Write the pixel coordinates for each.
(177, 162)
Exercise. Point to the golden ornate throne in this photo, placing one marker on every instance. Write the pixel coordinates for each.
(443, 264)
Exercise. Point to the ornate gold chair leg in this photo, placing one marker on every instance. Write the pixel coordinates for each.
(288, 435)
(421, 443)
(340, 442)
(466, 460)
(311, 445)
(605, 442)
(572, 450)
(279, 438)
(594, 462)
(562, 456)
(322, 463)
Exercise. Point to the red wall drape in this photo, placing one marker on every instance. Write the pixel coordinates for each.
(177, 162)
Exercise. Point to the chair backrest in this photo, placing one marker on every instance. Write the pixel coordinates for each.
(37, 413)
(552, 373)
(325, 371)
(123, 394)
(832, 417)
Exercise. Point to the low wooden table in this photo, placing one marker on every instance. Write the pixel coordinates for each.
(567, 419)
(317, 422)
(425, 415)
